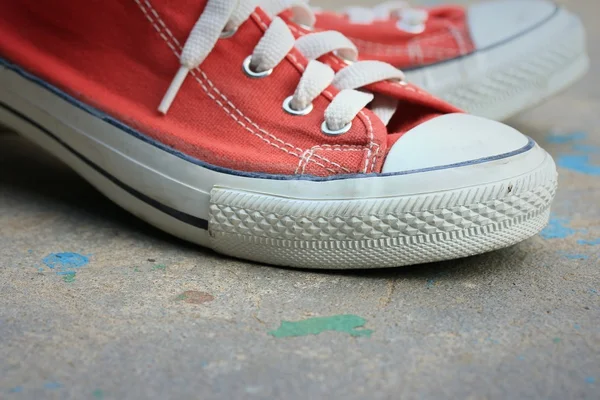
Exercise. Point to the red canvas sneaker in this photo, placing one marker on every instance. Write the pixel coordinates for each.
(493, 59)
(202, 118)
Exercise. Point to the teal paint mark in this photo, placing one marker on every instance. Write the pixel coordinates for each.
(98, 394)
(29, 251)
(593, 291)
(578, 163)
(430, 283)
(159, 267)
(314, 326)
(572, 256)
(16, 389)
(557, 229)
(577, 327)
(66, 264)
(53, 385)
(557, 340)
(594, 242)
(69, 277)
(521, 358)
(65, 260)
(566, 138)
(590, 379)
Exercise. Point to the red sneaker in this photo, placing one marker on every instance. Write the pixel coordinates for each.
(493, 58)
(252, 149)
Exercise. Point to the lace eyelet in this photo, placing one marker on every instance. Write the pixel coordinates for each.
(411, 28)
(254, 74)
(329, 132)
(287, 107)
(228, 33)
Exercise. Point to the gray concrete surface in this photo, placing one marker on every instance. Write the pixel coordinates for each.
(151, 317)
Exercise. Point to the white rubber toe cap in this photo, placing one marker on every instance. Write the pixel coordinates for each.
(453, 140)
(494, 22)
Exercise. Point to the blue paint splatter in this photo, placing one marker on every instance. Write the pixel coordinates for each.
(29, 251)
(572, 256)
(578, 163)
(594, 242)
(584, 148)
(16, 389)
(66, 264)
(593, 291)
(590, 379)
(557, 229)
(566, 138)
(53, 385)
(65, 260)
(577, 327)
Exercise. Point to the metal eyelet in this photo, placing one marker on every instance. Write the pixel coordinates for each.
(325, 129)
(288, 107)
(253, 74)
(228, 33)
(415, 29)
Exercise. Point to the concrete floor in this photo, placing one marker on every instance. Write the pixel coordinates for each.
(128, 312)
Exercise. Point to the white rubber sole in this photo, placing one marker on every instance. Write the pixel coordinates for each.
(357, 222)
(502, 81)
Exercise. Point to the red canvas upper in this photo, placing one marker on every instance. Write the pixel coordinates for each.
(446, 36)
(120, 57)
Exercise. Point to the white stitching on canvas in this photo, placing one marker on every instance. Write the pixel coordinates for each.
(160, 21)
(176, 52)
(458, 37)
(374, 162)
(371, 140)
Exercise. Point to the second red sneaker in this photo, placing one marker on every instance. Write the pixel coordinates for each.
(204, 119)
(493, 59)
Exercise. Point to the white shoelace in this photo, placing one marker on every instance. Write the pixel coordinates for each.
(411, 20)
(221, 17)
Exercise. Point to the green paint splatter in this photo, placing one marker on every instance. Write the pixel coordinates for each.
(314, 326)
(98, 394)
(69, 277)
(136, 269)
(557, 340)
(159, 267)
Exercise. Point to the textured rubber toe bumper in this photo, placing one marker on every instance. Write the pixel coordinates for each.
(385, 232)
